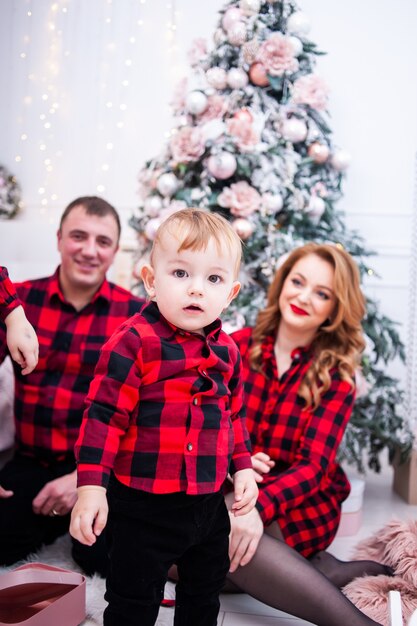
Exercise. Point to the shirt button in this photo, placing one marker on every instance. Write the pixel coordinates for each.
(195, 401)
(189, 447)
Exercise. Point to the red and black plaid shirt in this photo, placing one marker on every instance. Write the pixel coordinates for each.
(164, 410)
(304, 491)
(8, 295)
(49, 402)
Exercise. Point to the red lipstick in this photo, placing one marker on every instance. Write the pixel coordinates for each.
(297, 310)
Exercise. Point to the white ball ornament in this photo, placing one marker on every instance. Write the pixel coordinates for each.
(153, 204)
(340, 160)
(237, 78)
(242, 227)
(250, 7)
(298, 23)
(294, 130)
(167, 184)
(196, 102)
(297, 45)
(222, 165)
(151, 227)
(232, 15)
(217, 77)
(315, 207)
(237, 34)
(273, 201)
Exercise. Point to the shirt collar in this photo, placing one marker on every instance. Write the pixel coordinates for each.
(55, 291)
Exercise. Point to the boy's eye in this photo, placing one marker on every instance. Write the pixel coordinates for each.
(180, 273)
(214, 278)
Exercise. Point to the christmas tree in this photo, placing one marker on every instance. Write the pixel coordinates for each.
(251, 140)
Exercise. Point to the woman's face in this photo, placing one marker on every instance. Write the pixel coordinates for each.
(307, 298)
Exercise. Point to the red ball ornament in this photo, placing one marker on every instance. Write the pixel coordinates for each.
(258, 75)
(319, 152)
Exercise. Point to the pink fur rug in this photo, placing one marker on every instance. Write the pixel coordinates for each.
(396, 545)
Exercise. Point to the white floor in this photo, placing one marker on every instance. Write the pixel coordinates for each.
(381, 504)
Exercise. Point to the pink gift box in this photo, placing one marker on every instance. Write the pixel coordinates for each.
(36, 594)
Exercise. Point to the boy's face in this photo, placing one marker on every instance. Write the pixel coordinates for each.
(191, 287)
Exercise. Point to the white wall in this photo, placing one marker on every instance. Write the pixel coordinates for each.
(111, 67)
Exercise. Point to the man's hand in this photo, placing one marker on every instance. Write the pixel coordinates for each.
(89, 515)
(57, 497)
(5, 493)
(245, 534)
(22, 340)
(245, 490)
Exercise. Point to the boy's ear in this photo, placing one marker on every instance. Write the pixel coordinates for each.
(233, 293)
(148, 277)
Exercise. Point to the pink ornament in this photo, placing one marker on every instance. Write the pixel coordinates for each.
(230, 17)
(236, 34)
(258, 75)
(222, 165)
(244, 115)
(153, 204)
(294, 130)
(242, 227)
(319, 152)
(315, 207)
(217, 77)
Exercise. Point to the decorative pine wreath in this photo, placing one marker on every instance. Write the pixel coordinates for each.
(10, 194)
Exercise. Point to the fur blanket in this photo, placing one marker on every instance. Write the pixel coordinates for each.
(396, 545)
(59, 554)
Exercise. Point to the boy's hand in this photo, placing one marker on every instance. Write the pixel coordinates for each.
(22, 340)
(245, 491)
(262, 464)
(89, 515)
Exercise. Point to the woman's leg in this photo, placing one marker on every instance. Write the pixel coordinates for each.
(281, 578)
(340, 573)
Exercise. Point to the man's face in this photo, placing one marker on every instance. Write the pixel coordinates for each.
(87, 244)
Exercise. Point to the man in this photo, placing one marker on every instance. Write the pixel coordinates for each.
(73, 312)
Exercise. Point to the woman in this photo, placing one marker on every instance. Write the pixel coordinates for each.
(299, 363)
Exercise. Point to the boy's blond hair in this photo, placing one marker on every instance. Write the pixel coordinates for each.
(193, 228)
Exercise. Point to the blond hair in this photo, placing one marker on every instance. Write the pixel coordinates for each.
(339, 343)
(193, 228)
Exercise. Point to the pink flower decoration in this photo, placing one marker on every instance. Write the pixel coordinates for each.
(243, 132)
(179, 96)
(277, 55)
(240, 198)
(311, 90)
(216, 108)
(197, 52)
(187, 145)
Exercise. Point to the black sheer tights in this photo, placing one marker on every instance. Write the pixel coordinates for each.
(342, 572)
(281, 578)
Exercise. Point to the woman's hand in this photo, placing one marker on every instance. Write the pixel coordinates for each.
(262, 464)
(245, 534)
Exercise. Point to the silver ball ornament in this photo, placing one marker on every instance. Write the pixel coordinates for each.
(153, 204)
(298, 23)
(237, 78)
(294, 130)
(222, 165)
(340, 160)
(237, 34)
(167, 184)
(196, 102)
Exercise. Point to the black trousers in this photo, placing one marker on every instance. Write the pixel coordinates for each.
(148, 533)
(22, 531)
